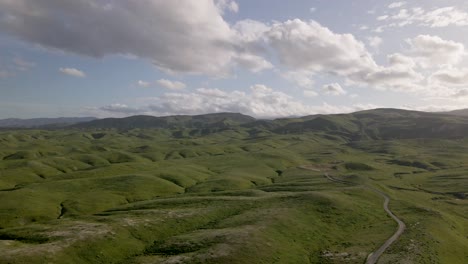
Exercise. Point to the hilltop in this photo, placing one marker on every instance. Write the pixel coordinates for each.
(229, 188)
(369, 124)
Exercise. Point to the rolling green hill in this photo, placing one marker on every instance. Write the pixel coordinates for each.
(369, 124)
(219, 120)
(226, 188)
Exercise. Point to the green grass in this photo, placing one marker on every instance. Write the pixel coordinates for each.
(235, 196)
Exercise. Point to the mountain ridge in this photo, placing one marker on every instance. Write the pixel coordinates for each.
(41, 122)
(380, 123)
(383, 123)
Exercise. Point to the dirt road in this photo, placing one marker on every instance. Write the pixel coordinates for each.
(374, 256)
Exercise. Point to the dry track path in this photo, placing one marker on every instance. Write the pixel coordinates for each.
(374, 256)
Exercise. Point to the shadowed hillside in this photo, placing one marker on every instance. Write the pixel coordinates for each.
(226, 188)
(42, 122)
(370, 124)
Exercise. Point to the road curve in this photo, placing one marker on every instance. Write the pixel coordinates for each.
(374, 256)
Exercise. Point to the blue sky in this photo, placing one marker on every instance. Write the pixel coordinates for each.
(265, 58)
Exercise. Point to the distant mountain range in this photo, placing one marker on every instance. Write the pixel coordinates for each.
(218, 120)
(43, 122)
(369, 124)
(461, 112)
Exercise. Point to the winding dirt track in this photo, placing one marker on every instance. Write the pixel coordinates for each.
(374, 256)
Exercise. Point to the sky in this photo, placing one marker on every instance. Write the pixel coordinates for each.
(264, 58)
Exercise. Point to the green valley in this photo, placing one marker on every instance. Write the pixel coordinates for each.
(227, 188)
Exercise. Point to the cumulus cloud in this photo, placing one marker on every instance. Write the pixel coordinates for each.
(72, 72)
(259, 101)
(188, 36)
(120, 108)
(253, 62)
(250, 42)
(301, 78)
(191, 36)
(307, 49)
(310, 93)
(333, 89)
(433, 51)
(436, 18)
(450, 76)
(398, 60)
(230, 5)
(396, 4)
(172, 85)
(461, 94)
(310, 46)
(375, 42)
(381, 18)
(143, 83)
(400, 75)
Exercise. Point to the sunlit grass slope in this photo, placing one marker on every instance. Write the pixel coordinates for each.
(236, 194)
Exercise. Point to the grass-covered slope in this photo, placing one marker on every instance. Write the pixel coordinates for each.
(369, 124)
(247, 193)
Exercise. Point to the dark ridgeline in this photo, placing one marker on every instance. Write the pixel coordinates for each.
(42, 122)
(369, 124)
(363, 125)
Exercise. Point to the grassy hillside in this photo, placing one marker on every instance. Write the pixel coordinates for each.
(250, 192)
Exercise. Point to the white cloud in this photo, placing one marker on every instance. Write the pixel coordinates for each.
(172, 85)
(227, 5)
(308, 49)
(461, 94)
(396, 5)
(399, 75)
(72, 72)
(443, 17)
(433, 51)
(312, 9)
(120, 108)
(450, 76)
(250, 41)
(436, 18)
(143, 83)
(434, 107)
(381, 18)
(259, 101)
(333, 89)
(188, 36)
(308, 46)
(310, 93)
(400, 61)
(253, 62)
(301, 78)
(375, 42)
